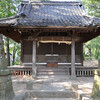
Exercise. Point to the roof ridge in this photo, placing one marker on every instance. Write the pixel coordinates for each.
(58, 1)
(54, 3)
(51, 1)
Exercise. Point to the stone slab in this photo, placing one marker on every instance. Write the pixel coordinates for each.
(52, 94)
(51, 99)
(6, 90)
(4, 72)
(20, 97)
(5, 79)
(52, 73)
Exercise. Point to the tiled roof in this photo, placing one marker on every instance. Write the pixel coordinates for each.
(8, 21)
(42, 14)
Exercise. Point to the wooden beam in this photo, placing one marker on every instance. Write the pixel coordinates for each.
(11, 33)
(56, 29)
(89, 36)
(54, 38)
(36, 34)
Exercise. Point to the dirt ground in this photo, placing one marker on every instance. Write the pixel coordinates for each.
(90, 63)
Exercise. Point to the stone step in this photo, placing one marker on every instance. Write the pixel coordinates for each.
(52, 94)
(51, 99)
(52, 73)
(53, 77)
(52, 69)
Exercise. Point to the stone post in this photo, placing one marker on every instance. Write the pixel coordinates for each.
(96, 85)
(34, 68)
(6, 89)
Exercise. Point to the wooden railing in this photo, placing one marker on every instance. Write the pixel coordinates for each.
(21, 70)
(84, 71)
(27, 71)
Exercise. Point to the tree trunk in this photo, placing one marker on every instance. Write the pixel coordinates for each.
(1, 46)
(2, 57)
(8, 54)
(90, 52)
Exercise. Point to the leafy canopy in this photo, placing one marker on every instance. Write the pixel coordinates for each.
(8, 8)
(92, 7)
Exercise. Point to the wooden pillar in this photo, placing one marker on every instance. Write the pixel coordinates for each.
(73, 74)
(34, 68)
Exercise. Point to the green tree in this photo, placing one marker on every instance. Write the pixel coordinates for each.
(15, 50)
(92, 7)
(8, 8)
(92, 48)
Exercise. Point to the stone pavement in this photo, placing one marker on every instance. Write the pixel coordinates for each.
(83, 87)
(53, 88)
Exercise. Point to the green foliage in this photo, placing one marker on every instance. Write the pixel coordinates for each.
(17, 62)
(92, 7)
(9, 8)
(14, 48)
(92, 47)
(40, 0)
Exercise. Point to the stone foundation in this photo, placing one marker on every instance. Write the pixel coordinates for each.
(6, 89)
(96, 85)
